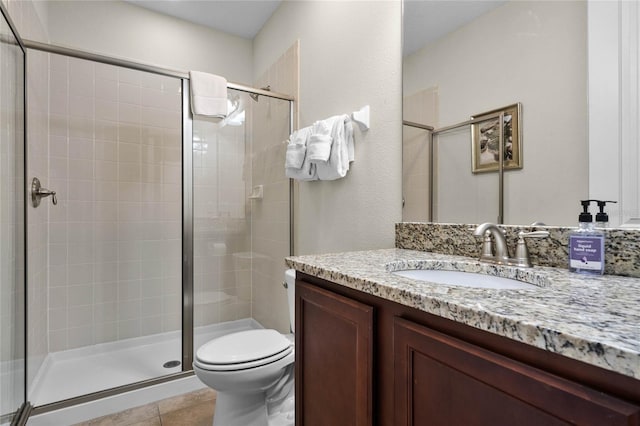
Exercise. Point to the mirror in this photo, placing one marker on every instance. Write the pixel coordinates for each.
(464, 58)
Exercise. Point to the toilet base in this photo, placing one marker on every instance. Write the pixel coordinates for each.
(274, 407)
(247, 409)
(236, 412)
(284, 414)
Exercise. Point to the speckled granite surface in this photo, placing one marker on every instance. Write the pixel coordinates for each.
(591, 319)
(622, 247)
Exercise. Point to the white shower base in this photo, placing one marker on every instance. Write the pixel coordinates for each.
(77, 372)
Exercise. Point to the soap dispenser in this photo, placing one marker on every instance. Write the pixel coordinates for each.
(602, 218)
(586, 245)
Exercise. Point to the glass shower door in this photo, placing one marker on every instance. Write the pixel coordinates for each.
(415, 174)
(241, 217)
(112, 269)
(12, 231)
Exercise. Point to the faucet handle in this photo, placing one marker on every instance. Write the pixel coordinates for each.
(534, 234)
(487, 247)
(522, 252)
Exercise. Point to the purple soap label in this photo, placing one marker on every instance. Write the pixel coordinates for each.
(586, 252)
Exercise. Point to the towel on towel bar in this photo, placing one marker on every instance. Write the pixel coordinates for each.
(296, 150)
(342, 149)
(208, 95)
(338, 131)
(319, 146)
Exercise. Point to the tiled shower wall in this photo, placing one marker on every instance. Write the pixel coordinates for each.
(115, 236)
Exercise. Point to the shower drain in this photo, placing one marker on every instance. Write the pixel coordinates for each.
(171, 364)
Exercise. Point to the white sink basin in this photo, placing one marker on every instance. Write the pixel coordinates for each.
(463, 279)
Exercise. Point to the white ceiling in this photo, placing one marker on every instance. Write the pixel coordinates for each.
(243, 18)
(427, 20)
(424, 20)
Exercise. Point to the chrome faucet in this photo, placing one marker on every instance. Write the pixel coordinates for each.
(486, 230)
(501, 256)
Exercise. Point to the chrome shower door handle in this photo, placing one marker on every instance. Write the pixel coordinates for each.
(38, 192)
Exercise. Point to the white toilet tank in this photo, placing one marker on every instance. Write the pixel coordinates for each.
(290, 279)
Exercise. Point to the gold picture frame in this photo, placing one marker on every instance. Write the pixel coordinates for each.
(484, 140)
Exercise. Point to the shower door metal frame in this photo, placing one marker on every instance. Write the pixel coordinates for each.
(482, 119)
(24, 411)
(187, 210)
(187, 229)
(430, 150)
(433, 132)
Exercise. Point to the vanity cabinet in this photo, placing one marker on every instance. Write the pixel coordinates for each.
(363, 360)
(444, 381)
(334, 359)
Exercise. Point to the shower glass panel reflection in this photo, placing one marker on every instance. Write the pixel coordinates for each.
(112, 267)
(415, 174)
(461, 196)
(241, 218)
(12, 231)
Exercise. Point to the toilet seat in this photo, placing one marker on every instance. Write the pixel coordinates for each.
(243, 350)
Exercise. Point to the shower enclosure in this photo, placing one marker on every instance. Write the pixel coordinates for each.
(113, 277)
(164, 231)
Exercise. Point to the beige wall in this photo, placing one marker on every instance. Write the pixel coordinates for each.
(530, 52)
(349, 57)
(30, 18)
(123, 30)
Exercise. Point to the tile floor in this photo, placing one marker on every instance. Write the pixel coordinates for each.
(191, 409)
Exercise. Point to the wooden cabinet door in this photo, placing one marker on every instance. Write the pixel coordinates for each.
(334, 359)
(440, 380)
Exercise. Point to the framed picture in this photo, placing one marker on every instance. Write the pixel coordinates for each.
(484, 140)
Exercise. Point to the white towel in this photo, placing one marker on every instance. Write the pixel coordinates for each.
(307, 170)
(295, 156)
(319, 146)
(297, 148)
(208, 95)
(342, 150)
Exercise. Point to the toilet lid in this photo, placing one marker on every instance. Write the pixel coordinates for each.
(242, 347)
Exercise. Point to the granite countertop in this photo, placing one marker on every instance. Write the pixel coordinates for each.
(594, 319)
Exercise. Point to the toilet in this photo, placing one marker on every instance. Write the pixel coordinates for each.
(252, 371)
